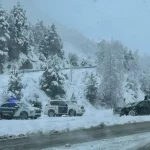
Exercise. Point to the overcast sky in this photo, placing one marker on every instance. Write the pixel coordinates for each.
(124, 20)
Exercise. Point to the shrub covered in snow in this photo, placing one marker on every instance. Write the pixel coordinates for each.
(73, 59)
(27, 65)
(73, 98)
(91, 91)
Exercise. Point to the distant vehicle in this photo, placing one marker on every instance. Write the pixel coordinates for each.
(60, 107)
(137, 108)
(14, 109)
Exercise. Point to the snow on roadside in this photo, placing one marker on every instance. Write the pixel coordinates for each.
(91, 118)
(47, 125)
(119, 143)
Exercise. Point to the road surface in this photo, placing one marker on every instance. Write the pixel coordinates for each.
(39, 142)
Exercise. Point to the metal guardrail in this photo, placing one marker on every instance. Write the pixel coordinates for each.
(29, 70)
(38, 70)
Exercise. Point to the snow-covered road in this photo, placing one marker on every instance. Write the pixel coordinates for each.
(120, 143)
(46, 124)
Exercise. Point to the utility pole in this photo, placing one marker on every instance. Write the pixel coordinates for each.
(71, 73)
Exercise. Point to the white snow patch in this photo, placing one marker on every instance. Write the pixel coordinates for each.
(46, 124)
(3, 39)
(31, 91)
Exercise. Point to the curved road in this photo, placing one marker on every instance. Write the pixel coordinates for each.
(39, 142)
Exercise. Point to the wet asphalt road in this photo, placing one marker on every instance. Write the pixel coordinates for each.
(145, 147)
(39, 142)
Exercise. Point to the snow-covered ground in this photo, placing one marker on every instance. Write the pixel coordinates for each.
(31, 88)
(31, 91)
(119, 143)
(47, 125)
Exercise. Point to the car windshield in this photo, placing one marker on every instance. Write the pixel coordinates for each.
(132, 104)
(136, 103)
(22, 105)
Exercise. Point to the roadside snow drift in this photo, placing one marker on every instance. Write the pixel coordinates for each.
(60, 124)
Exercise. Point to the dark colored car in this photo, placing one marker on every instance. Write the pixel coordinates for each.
(137, 108)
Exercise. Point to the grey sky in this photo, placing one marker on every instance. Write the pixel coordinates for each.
(124, 20)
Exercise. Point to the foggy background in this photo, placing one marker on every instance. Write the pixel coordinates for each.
(125, 20)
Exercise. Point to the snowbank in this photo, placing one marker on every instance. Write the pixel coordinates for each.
(60, 124)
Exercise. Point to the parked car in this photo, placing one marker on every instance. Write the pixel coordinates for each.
(137, 108)
(20, 110)
(60, 107)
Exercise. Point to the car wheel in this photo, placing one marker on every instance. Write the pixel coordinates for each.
(72, 113)
(51, 113)
(23, 116)
(132, 113)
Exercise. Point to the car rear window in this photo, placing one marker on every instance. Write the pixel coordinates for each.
(54, 103)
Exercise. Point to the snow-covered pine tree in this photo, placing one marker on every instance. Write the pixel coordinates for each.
(38, 30)
(14, 86)
(4, 36)
(51, 44)
(52, 81)
(84, 62)
(18, 29)
(91, 91)
(31, 39)
(111, 69)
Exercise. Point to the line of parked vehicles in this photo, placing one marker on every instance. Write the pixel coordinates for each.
(19, 110)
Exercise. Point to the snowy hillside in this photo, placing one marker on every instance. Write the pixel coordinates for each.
(48, 44)
(31, 89)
